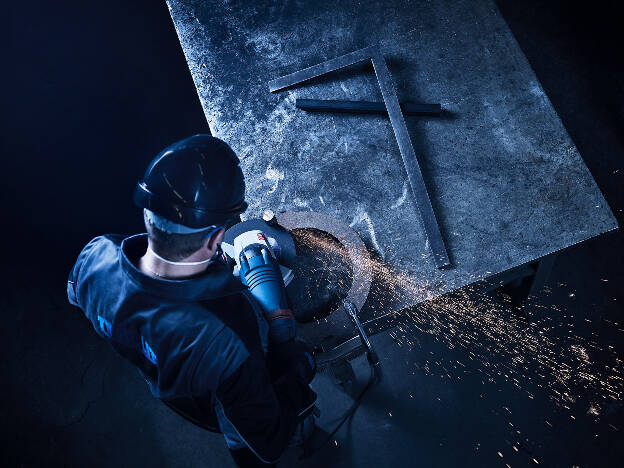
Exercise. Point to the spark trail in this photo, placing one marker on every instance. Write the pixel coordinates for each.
(501, 345)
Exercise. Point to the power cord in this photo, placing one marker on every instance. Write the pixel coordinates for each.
(375, 377)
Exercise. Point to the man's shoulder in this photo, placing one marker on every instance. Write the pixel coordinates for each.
(100, 252)
(101, 246)
(105, 240)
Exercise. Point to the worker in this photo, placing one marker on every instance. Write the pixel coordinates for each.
(168, 302)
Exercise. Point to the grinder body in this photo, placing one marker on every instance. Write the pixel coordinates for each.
(259, 270)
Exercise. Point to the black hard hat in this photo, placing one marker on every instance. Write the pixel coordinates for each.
(196, 182)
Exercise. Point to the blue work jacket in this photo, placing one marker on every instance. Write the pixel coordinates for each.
(200, 343)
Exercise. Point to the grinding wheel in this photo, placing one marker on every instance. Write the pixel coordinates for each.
(324, 332)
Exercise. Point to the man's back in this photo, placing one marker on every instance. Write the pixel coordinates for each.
(168, 302)
(200, 343)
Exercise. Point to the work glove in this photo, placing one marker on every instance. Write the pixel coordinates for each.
(260, 272)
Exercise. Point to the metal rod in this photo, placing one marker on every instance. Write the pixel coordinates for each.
(352, 311)
(371, 353)
(365, 107)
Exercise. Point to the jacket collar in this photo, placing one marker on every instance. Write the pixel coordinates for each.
(217, 281)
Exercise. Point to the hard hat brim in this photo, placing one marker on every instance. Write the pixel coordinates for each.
(186, 215)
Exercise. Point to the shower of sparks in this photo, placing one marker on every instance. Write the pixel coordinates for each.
(504, 347)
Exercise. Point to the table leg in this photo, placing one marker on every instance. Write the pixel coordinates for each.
(544, 267)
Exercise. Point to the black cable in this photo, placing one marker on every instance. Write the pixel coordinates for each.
(349, 413)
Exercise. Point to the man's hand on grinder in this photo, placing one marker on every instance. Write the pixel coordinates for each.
(261, 273)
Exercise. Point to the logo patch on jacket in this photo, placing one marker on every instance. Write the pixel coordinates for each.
(148, 352)
(127, 338)
(105, 326)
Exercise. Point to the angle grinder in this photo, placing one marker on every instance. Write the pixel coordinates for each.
(264, 235)
(254, 245)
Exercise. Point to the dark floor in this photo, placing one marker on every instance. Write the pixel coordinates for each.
(94, 89)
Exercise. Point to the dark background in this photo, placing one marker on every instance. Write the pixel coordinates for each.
(93, 90)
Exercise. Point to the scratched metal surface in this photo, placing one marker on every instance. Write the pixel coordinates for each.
(506, 181)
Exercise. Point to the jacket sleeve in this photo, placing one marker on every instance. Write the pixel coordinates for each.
(74, 274)
(73, 281)
(263, 414)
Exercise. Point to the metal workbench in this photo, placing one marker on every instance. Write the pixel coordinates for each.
(506, 182)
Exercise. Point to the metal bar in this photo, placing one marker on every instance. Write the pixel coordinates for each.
(414, 174)
(365, 107)
(371, 354)
(320, 69)
(353, 346)
(352, 311)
